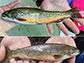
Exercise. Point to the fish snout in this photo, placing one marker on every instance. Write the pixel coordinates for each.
(76, 52)
(5, 14)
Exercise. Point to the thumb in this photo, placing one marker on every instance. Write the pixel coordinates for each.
(2, 52)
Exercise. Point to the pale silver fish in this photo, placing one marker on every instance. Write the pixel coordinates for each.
(45, 52)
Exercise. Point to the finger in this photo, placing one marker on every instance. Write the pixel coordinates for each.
(50, 29)
(63, 28)
(26, 61)
(33, 61)
(72, 60)
(12, 60)
(41, 61)
(10, 25)
(1, 11)
(20, 61)
(57, 62)
(5, 8)
(11, 5)
(72, 26)
(23, 6)
(48, 62)
(81, 21)
(2, 52)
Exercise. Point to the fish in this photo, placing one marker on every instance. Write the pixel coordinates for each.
(38, 16)
(45, 52)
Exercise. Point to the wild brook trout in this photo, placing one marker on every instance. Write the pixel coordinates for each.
(45, 52)
(36, 16)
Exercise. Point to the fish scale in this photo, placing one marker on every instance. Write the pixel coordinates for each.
(45, 52)
(35, 16)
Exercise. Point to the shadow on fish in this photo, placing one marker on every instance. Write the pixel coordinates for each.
(45, 52)
(38, 16)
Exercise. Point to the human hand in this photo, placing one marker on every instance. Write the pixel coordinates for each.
(6, 25)
(61, 5)
(62, 40)
(13, 43)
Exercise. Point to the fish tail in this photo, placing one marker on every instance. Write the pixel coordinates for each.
(8, 53)
(75, 13)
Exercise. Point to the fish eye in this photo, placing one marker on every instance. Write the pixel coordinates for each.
(6, 12)
(75, 49)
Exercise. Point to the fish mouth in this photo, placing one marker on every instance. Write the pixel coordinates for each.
(76, 53)
(6, 18)
(3, 16)
(79, 51)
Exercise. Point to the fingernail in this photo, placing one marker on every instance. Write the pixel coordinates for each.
(67, 34)
(51, 32)
(18, 1)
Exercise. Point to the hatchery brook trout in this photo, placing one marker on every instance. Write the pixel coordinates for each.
(35, 16)
(45, 52)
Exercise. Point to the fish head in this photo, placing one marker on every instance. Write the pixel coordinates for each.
(74, 51)
(67, 53)
(71, 50)
(12, 15)
(8, 15)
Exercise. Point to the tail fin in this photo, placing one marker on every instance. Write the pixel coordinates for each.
(6, 59)
(76, 13)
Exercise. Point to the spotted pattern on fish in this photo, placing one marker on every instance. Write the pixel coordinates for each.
(45, 52)
(33, 15)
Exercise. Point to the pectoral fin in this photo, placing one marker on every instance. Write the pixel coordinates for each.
(57, 57)
(21, 19)
(17, 59)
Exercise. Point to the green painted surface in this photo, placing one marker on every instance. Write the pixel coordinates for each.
(30, 30)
